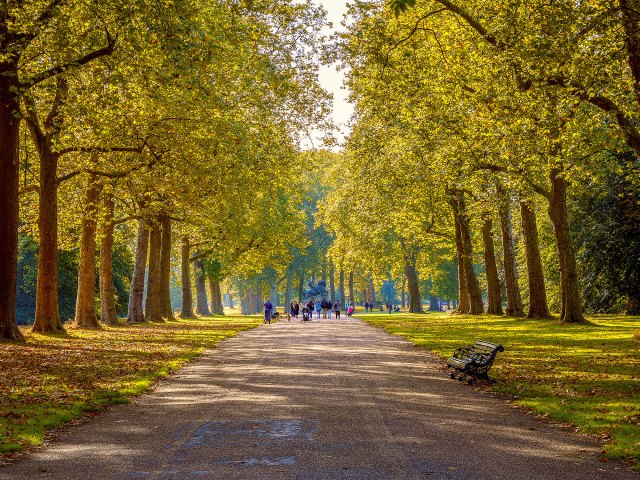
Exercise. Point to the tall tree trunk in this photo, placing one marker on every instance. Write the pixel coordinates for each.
(107, 291)
(434, 304)
(494, 306)
(273, 294)
(86, 315)
(185, 271)
(216, 296)
(415, 301)
(153, 305)
(136, 294)
(332, 283)
(9, 179)
(259, 300)
(404, 293)
(47, 312)
(538, 307)
(571, 302)
(514, 301)
(372, 290)
(464, 250)
(202, 306)
(165, 268)
(463, 293)
(342, 293)
(301, 288)
(351, 297)
(287, 292)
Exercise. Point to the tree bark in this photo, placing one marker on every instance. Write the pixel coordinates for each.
(86, 315)
(494, 306)
(47, 312)
(415, 301)
(287, 292)
(571, 311)
(463, 293)
(372, 291)
(538, 307)
(216, 296)
(9, 180)
(351, 297)
(301, 288)
(107, 291)
(514, 300)
(434, 304)
(342, 293)
(464, 250)
(136, 294)
(259, 299)
(332, 283)
(404, 293)
(202, 306)
(165, 268)
(185, 270)
(153, 305)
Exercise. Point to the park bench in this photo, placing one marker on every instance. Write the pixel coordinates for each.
(474, 362)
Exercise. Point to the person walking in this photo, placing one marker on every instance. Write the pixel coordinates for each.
(323, 305)
(318, 308)
(366, 307)
(336, 309)
(297, 309)
(268, 307)
(292, 310)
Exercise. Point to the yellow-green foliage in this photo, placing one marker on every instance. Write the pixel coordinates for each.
(587, 375)
(52, 379)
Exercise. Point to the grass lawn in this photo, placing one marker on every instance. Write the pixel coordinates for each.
(53, 379)
(588, 375)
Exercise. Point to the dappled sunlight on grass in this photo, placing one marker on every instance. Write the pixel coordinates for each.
(587, 375)
(53, 379)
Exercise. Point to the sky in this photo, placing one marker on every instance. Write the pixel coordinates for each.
(330, 79)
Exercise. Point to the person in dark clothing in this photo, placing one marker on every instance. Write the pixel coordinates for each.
(268, 308)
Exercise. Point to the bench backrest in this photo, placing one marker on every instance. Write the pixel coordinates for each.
(486, 348)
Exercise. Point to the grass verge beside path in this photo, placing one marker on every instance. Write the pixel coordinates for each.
(53, 379)
(587, 375)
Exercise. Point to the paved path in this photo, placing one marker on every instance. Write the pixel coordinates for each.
(326, 400)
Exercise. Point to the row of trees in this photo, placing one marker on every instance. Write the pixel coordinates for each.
(486, 119)
(128, 125)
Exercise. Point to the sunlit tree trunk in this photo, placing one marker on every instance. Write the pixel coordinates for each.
(494, 306)
(404, 293)
(464, 251)
(571, 302)
(165, 268)
(107, 291)
(301, 288)
(514, 300)
(332, 284)
(136, 294)
(152, 310)
(352, 297)
(216, 296)
(202, 306)
(342, 292)
(185, 271)
(463, 293)
(287, 292)
(538, 307)
(86, 315)
(415, 301)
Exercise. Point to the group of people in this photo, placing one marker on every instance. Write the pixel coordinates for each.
(324, 307)
(368, 307)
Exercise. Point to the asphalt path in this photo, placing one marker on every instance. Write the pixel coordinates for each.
(332, 399)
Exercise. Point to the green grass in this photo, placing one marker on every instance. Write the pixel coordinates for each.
(586, 375)
(53, 379)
